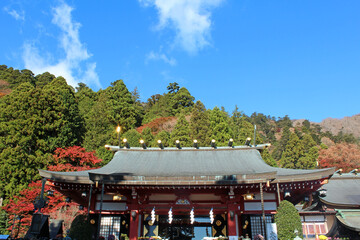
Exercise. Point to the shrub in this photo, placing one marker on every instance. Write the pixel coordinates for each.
(81, 228)
(287, 219)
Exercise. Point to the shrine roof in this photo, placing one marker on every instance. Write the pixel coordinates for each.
(172, 166)
(350, 218)
(343, 190)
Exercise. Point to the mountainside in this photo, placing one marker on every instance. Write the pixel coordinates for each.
(349, 125)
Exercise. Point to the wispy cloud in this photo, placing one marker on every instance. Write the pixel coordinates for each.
(160, 56)
(18, 15)
(191, 20)
(75, 66)
(169, 78)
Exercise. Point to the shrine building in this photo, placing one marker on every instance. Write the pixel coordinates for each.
(185, 193)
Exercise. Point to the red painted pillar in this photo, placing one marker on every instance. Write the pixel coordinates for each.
(134, 225)
(231, 221)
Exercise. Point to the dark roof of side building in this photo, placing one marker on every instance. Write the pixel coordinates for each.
(349, 218)
(343, 191)
(187, 166)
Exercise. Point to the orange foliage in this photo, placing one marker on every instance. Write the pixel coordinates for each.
(159, 124)
(345, 156)
(72, 158)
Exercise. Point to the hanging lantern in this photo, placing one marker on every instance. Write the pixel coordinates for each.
(192, 217)
(170, 215)
(211, 213)
(153, 215)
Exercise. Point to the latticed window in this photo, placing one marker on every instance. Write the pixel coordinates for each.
(110, 226)
(311, 229)
(257, 225)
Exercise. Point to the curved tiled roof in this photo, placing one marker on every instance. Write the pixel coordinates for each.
(179, 166)
(343, 190)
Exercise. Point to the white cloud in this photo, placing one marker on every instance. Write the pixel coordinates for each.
(160, 56)
(169, 78)
(189, 18)
(18, 15)
(76, 54)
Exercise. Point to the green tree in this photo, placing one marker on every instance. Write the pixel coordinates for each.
(169, 104)
(16, 77)
(43, 79)
(4, 223)
(284, 122)
(306, 126)
(293, 151)
(300, 154)
(265, 154)
(181, 101)
(241, 127)
(281, 145)
(81, 229)
(173, 87)
(287, 220)
(64, 126)
(148, 137)
(200, 124)
(133, 137)
(121, 105)
(164, 136)
(114, 106)
(309, 160)
(138, 105)
(86, 99)
(100, 130)
(220, 125)
(33, 123)
(181, 132)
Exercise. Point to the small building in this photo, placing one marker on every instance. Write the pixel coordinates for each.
(335, 208)
(186, 193)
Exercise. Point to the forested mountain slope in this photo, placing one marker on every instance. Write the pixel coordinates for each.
(41, 113)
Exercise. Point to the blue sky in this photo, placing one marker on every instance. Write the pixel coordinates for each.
(296, 58)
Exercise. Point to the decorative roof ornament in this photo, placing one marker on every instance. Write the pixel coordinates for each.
(182, 201)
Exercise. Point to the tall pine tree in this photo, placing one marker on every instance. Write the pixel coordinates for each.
(181, 132)
(200, 124)
(220, 125)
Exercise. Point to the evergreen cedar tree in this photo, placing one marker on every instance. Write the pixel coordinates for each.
(33, 123)
(287, 220)
(69, 159)
(200, 124)
(181, 132)
(299, 153)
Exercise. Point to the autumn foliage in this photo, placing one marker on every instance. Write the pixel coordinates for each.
(73, 158)
(344, 156)
(69, 159)
(159, 124)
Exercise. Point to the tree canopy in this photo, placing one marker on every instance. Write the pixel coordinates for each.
(40, 114)
(287, 220)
